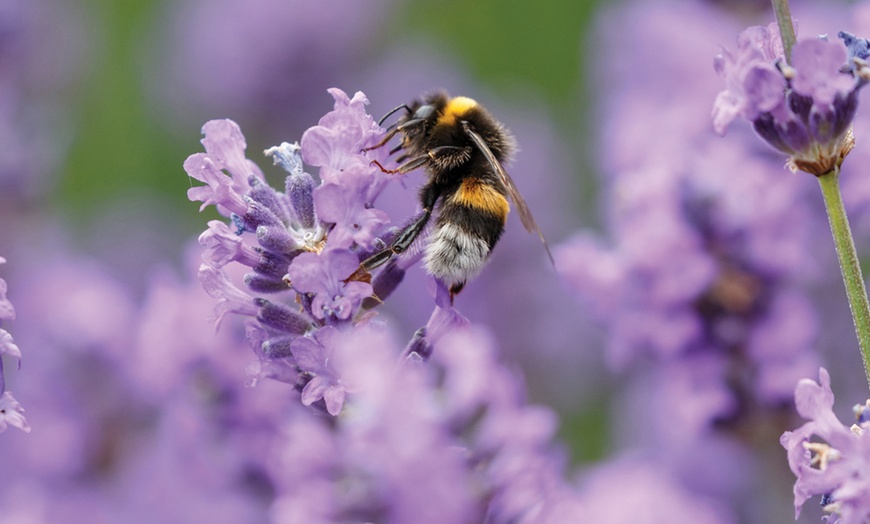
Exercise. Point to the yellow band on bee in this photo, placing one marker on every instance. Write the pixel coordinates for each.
(457, 106)
(474, 193)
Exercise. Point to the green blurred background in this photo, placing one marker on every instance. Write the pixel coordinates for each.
(119, 147)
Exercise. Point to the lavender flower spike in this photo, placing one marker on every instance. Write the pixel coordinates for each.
(308, 240)
(804, 109)
(829, 458)
(10, 410)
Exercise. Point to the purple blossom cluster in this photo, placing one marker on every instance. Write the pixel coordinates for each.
(803, 107)
(309, 240)
(827, 457)
(11, 412)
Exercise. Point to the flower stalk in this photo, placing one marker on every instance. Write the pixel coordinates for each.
(786, 27)
(849, 264)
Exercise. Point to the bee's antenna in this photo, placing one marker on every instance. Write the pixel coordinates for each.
(393, 111)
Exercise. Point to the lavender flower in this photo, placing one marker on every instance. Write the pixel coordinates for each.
(835, 467)
(309, 241)
(698, 265)
(10, 409)
(313, 356)
(224, 151)
(699, 280)
(805, 108)
(320, 276)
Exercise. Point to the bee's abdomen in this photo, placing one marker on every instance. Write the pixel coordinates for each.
(468, 226)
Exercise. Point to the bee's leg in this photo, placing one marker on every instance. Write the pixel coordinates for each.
(455, 289)
(400, 244)
(448, 157)
(392, 111)
(408, 166)
(443, 156)
(391, 132)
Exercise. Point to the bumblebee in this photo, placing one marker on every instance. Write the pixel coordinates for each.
(462, 148)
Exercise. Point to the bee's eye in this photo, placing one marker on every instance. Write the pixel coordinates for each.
(424, 111)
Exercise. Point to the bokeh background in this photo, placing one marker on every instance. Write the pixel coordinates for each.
(100, 103)
(133, 82)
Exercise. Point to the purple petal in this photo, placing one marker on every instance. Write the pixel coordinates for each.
(7, 311)
(334, 399)
(224, 246)
(307, 273)
(813, 400)
(225, 143)
(309, 354)
(8, 346)
(818, 64)
(11, 414)
(314, 390)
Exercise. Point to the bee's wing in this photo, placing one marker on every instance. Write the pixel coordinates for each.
(522, 208)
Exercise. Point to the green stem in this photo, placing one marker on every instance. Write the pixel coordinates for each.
(849, 265)
(786, 28)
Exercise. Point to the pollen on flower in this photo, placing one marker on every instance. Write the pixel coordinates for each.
(823, 454)
(313, 242)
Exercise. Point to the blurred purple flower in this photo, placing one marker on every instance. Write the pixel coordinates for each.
(699, 262)
(629, 489)
(42, 48)
(313, 356)
(451, 441)
(700, 280)
(247, 60)
(835, 467)
(144, 401)
(753, 83)
(7, 312)
(805, 108)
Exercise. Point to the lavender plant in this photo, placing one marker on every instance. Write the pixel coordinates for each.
(699, 281)
(801, 97)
